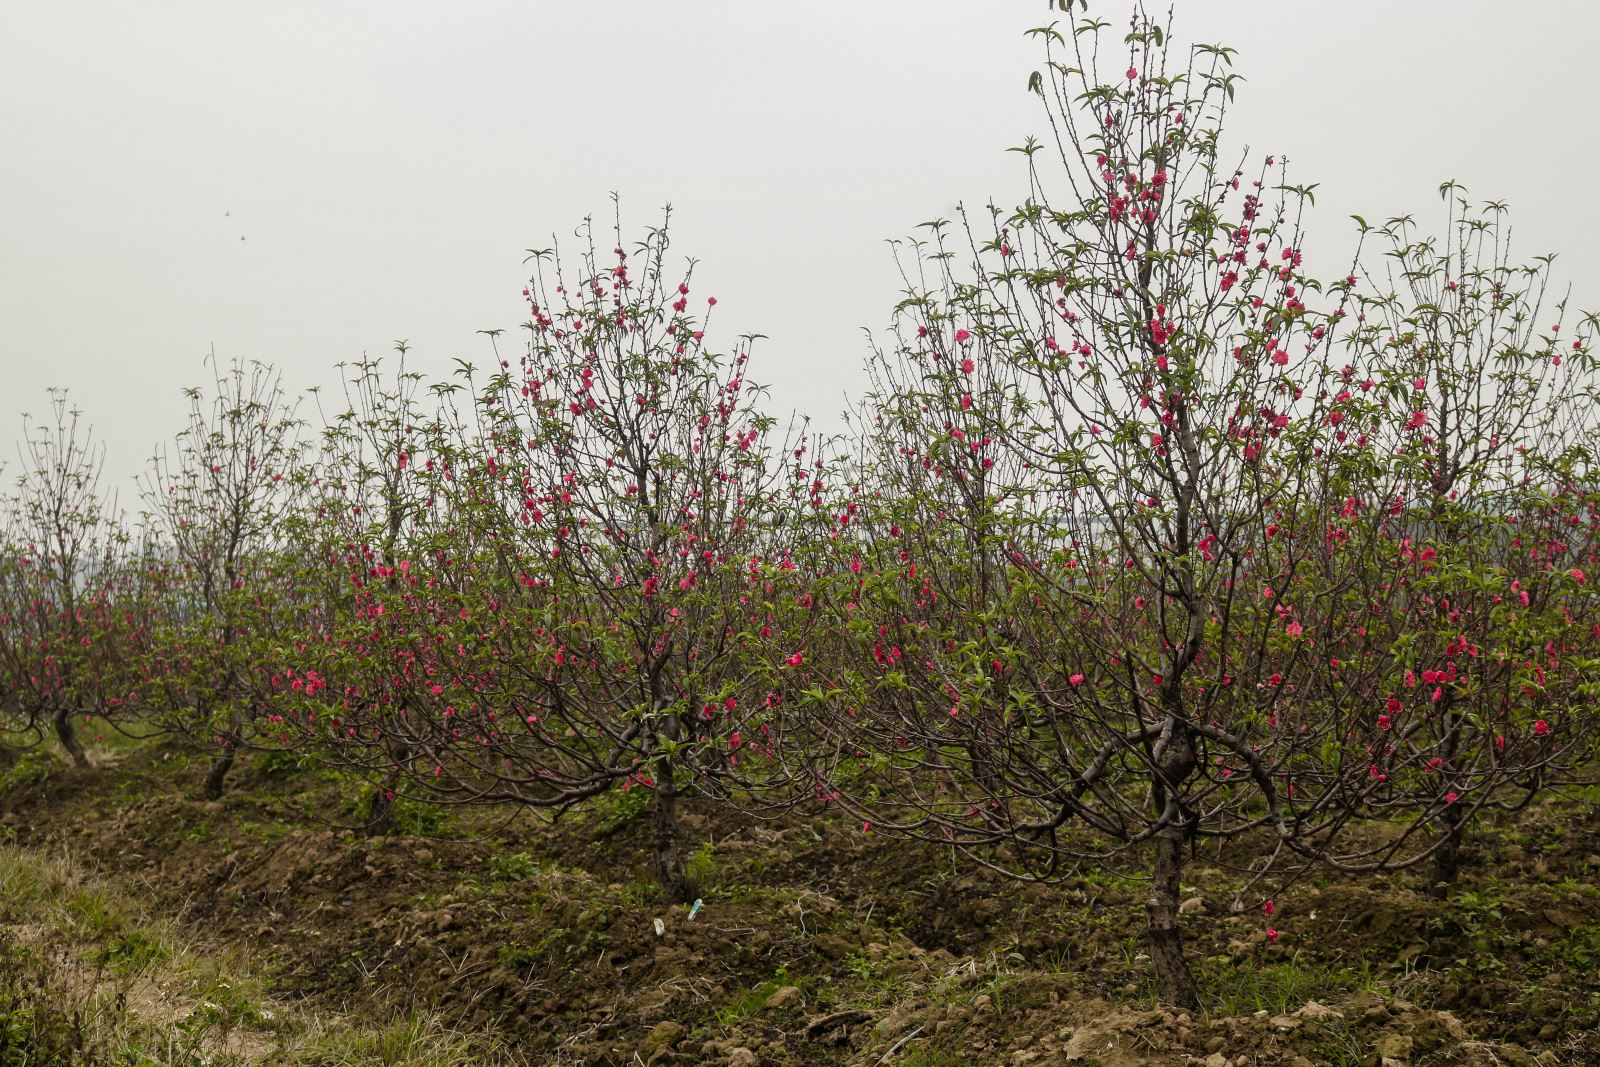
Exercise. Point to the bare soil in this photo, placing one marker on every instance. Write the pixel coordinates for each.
(818, 944)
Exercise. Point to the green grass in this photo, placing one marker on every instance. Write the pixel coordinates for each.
(417, 818)
(130, 952)
(37, 1027)
(93, 912)
(616, 808)
(701, 869)
(1580, 950)
(32, 768)
(747, 1002)
(512, 867)
(411, 1040)
(280, 764)
(1279, 988)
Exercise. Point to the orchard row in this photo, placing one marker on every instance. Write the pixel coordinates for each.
(1143, 539)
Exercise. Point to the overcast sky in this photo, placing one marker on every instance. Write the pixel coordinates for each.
(387, 164)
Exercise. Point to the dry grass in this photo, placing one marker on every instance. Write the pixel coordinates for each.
(88, 977)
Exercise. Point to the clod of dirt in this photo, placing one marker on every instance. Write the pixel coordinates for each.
(1311, 1011)
(1393, 1046)
(783, 999)
(665, 1036)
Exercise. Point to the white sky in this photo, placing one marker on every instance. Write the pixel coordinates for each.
(388, 163)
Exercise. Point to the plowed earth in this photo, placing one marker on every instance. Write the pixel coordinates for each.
(818, 944)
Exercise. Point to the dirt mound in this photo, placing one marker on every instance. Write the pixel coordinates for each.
(817, 944)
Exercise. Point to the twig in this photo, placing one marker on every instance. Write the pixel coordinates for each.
(817, 1027)
(896, 1046)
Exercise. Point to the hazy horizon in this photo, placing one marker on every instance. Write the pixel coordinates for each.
(307, 183)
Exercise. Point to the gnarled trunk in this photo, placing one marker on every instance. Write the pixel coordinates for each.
(62, 720)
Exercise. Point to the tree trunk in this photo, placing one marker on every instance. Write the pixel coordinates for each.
(668, 857)
(1175, 760)
(380, 811)
(232, 740)
(68, 738)
(1174, 983)
(380, 808)
(220, 767)
(1447, 861)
